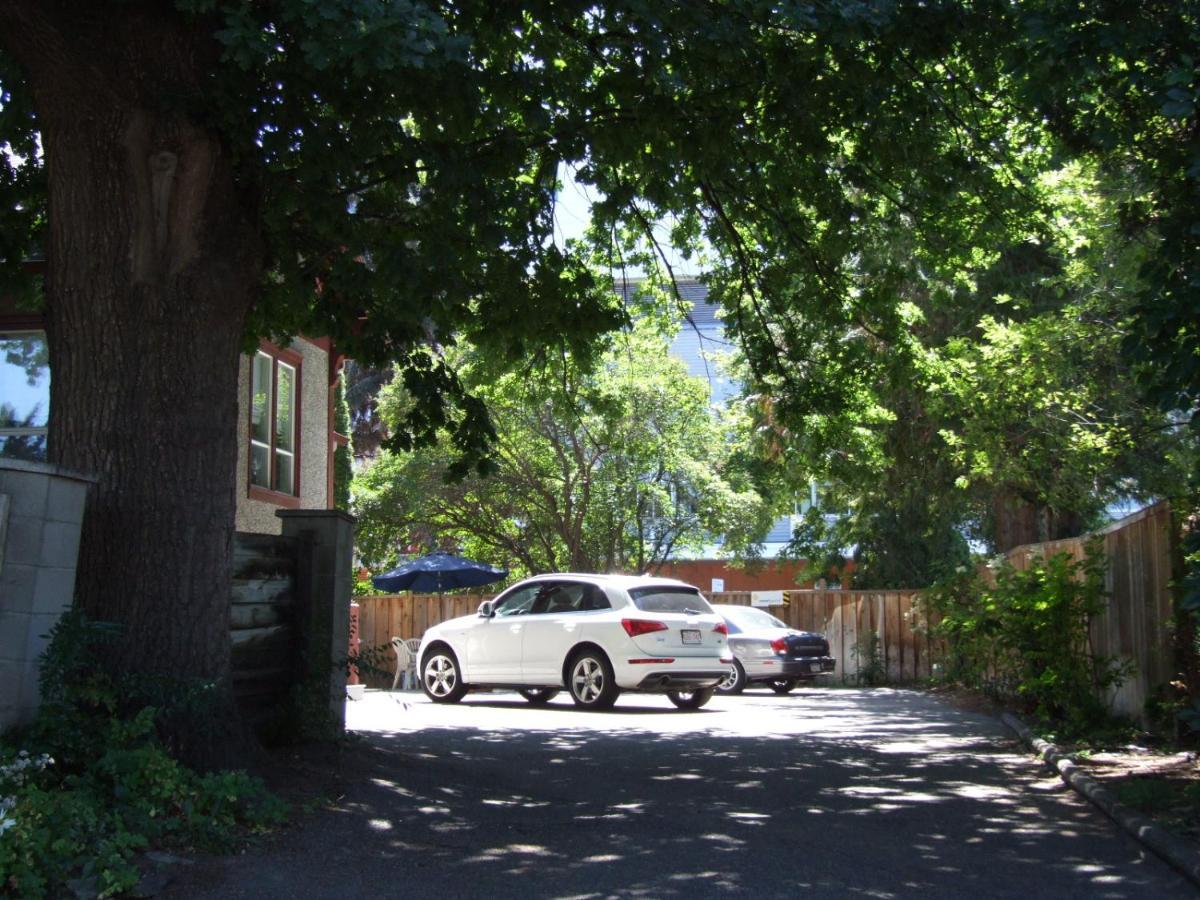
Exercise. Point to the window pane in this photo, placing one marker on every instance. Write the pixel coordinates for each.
(285, 409)
(260, 465)
(285, 465)
(274, 417)
(749, 618)
(24, 380)
(595, 598)
(30, 447)
(518, 602)
(669, 599)
(260, 399)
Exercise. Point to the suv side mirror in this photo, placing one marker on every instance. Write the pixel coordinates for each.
(485, 610)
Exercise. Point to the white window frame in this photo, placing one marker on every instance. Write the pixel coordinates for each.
(277, 359)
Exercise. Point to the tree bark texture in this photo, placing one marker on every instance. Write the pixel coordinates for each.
(1017, 521)
(153, 255)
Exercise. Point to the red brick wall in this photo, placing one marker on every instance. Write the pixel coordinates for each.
(769, 575)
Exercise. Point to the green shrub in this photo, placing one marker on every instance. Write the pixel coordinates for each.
(1188, 620)
(1190, 716)
(343, 455)
(88, 785)
(1026, 638)
(868, 653)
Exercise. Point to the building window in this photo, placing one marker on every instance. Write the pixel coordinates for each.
(274, 421)
(24, 395)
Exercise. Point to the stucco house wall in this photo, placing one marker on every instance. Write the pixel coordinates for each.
(314, 404)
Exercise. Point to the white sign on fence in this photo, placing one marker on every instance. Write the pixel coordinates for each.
(766, 598)
(718, 585)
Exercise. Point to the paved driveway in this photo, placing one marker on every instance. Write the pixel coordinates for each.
(829, 792)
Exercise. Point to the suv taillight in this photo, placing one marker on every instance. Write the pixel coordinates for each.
(721, 628)
(634, 627)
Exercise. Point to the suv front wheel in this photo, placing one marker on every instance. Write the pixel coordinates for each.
(441, 677)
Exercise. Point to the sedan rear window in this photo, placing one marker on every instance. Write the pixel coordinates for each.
(669, 599)
(747, 618)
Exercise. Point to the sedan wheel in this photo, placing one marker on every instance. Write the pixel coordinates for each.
(539, 696)
(440, 677)
(783, 685)
(690, 699)
(591, 681)
(735, 681)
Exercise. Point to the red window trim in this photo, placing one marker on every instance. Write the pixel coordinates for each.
(296, 361)
(278, 498)
(22, 322)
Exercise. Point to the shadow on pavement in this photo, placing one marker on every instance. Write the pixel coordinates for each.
(881, 793)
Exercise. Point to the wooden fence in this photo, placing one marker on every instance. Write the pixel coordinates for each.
(845, 617)
(385, 616)
(885, 627)
(1137, 625)
(1135, 628)
(864, 628)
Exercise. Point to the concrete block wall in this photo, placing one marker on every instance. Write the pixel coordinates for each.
(41, 511)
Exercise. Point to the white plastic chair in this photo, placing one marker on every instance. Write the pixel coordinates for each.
(414, 678)
(406, 662)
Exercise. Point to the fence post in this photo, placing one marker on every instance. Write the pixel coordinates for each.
(323, 586)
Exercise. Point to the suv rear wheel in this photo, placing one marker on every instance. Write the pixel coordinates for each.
(590, 680)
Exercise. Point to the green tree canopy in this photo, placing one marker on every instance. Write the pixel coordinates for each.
(1006, 413)
(596, 470)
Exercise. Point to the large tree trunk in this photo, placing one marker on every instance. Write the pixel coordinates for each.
(1014, 521)
(152, 260)
(1017, 521)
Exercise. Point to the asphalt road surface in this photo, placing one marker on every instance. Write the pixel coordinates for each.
(825, 792)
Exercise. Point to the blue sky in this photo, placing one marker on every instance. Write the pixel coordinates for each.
(572, 215)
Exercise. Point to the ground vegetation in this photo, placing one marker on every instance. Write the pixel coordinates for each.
(88, 792)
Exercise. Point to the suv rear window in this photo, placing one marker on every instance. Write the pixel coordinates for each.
(669, 599)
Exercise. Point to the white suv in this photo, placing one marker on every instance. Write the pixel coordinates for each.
(596, 635)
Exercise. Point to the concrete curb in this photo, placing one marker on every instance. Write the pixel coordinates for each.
(1181, 854)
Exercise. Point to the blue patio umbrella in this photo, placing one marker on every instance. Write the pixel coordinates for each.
(438, 571)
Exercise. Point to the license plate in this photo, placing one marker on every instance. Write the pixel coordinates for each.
(690, 635)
